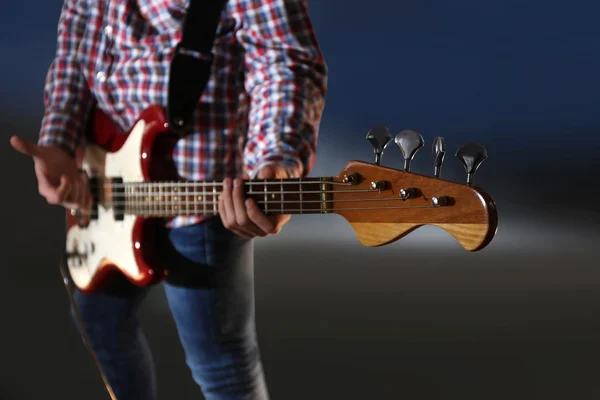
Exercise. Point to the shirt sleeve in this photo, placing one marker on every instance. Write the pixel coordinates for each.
(286, 78)
(67, 100)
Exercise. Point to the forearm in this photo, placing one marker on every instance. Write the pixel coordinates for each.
(67, 100)
(287, 83)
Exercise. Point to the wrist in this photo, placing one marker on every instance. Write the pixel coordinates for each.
(57, 144)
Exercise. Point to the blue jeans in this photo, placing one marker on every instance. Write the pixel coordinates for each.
(210, 293)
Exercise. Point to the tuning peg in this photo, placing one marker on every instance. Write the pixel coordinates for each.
(471, 156)
(409, 142)
(439, 151)
(379, 137)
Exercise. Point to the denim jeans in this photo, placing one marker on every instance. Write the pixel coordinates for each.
(210, 293)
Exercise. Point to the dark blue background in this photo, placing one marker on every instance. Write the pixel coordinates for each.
(421, 317)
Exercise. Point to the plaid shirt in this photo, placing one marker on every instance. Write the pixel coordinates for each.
(263, 103)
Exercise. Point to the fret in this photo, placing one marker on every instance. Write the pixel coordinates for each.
(163, 198)
(300, 195)
(148, 198)
(203, 199)
(158, 198)
(214, 199)
(165, 202)
(266, 196)
(136, 197)
(193, 202)
(138, 204)
(152, 198)
(160, 188)
(192, 199)
(141, 196)
(172, 200)
(325, 186)
(177, 203)
(250, 192)
(281, 201)
(185, 204)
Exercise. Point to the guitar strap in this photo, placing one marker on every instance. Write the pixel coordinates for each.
(192, 62)
(189, 74)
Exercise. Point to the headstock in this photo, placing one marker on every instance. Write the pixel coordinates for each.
(384, 204)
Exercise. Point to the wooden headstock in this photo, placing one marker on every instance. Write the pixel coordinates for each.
(369, 197)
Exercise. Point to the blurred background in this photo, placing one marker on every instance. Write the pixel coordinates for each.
(420, 318)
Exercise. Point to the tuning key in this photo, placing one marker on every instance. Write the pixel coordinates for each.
(471, 155)
(409, 142)
(439, 152)
(379, 137)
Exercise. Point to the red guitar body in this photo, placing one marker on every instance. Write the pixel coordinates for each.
(142, 154)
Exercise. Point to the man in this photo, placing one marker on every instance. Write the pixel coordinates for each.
(258, 117)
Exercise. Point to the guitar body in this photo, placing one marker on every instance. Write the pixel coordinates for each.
(106, 244)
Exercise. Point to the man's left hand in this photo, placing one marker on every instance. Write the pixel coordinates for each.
(242, 215)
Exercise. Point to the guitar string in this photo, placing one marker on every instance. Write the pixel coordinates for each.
(166, 206)
(218, 183)
(138, 200)
(262, 193)
(143, 200)
(127, 199)
(189, 213)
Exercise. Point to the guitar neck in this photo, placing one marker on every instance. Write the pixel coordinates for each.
(197, 198)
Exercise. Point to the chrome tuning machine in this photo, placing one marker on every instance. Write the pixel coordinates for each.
(471, 155)
(409, 143)
(439, 152)
(379, 137)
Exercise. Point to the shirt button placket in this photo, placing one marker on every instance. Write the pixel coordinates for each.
(101, 76)
(108, 31)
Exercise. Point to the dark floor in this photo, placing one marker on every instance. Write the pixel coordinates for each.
(420, 319)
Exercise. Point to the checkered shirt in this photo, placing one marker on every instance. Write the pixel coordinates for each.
(262, 105)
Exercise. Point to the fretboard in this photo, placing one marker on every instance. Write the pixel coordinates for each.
(190, 198)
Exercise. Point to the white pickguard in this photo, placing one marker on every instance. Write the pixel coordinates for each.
(106, 240)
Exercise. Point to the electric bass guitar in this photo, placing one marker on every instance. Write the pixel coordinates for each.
(135, 186)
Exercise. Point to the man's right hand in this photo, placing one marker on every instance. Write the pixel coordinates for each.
(60, 181)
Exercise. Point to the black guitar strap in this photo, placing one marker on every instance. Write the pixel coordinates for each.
(192, 61)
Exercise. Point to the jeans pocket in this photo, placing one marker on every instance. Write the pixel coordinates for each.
(201, 250)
